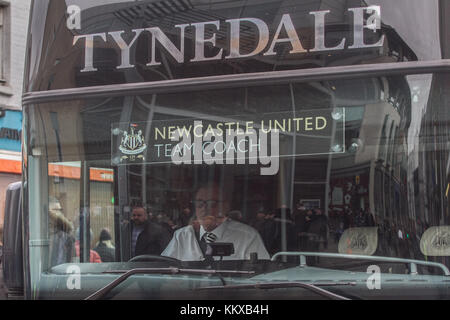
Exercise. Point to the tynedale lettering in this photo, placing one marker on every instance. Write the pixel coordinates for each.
(205, 34)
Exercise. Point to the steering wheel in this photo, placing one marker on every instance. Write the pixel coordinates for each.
(151, 257)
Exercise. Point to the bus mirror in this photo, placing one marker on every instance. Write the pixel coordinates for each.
(363, 241)
(435, 241)
(12, 261)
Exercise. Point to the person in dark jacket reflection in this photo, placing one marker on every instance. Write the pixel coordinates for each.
(105, 248)
(318, 231)
(282, 230)
(147, 237)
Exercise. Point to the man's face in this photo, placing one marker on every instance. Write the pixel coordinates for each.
(139, 216)
(210, 208)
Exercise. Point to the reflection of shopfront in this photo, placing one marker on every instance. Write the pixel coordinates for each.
(350, 190)
(64, 182)
(10, 157)
(310, 182)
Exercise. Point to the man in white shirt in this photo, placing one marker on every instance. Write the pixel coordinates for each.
(213, 226)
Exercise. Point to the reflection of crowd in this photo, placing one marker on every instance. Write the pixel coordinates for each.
(282, 229)
(215, 222)
(150, 230)
(305, 230)
(271, 225)
(312, 229)
(340, 220)
(65, 246)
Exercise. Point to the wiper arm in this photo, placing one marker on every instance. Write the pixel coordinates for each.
(128, 273)
(294, 284)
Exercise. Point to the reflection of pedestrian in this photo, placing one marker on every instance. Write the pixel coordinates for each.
(105, 248)
(364, 219)
(61, 240)
(94, 257)
(268, 230)
(263, 224)
(235, 215)
(318, 231)
(147, 237)
(298, 217)
(302, 222)
(258, 221)
(339, 231)
(347, 219)
(283, 229)
(164, 221)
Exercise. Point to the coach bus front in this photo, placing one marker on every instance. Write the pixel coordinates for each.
(314, 133)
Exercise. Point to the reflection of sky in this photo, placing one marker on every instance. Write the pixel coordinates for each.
(86, 4)
(420, 86)
(416, 21)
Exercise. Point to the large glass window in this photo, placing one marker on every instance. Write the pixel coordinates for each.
(338, 176)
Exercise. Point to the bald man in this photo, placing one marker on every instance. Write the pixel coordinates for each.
(212, 225)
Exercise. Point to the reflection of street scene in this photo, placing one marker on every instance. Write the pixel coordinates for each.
(225, 149)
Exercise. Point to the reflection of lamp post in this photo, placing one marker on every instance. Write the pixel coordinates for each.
(338, 115)
(380, 204)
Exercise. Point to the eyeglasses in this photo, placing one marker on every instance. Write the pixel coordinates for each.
(208, 203)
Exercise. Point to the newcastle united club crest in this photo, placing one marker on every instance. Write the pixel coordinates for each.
(132, 145)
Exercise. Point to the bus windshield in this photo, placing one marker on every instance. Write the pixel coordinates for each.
(270, 149)
(320, 167)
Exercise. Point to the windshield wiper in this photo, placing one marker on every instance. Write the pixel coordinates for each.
(292, 284)
(128, 273)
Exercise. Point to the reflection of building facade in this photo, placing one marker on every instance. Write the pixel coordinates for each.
(368, 177)
(97, 91)
(13, 30)
(371, 175)
(429, 163)
(432, 175)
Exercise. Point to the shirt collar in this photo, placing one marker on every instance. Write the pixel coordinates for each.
(218, 231)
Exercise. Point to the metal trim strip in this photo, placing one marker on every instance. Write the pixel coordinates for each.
(229, 81)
